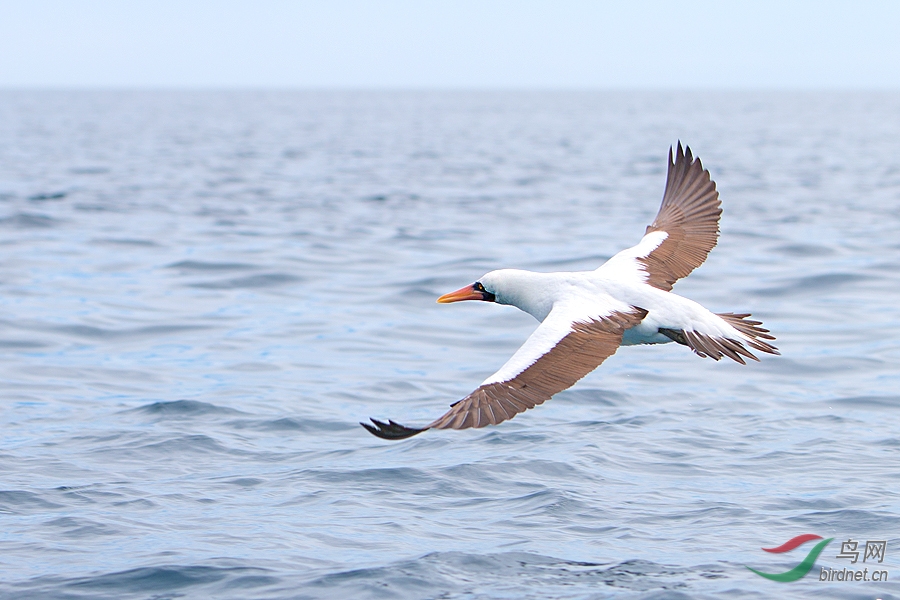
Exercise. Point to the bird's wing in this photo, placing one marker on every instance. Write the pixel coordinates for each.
(568, 345)
(683, 232)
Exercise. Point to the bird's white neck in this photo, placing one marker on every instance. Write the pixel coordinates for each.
(531, 292)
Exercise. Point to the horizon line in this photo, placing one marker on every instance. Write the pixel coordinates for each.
(436, 88)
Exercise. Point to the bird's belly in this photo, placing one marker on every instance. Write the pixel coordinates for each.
(644, 333)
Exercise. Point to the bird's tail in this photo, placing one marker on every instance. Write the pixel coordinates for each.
(754, 335)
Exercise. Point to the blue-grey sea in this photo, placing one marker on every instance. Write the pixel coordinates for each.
(203, 292)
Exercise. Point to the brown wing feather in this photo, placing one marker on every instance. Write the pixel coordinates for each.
(576, 355)
(689, 215)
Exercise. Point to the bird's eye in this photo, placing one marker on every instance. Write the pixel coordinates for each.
(478, 287)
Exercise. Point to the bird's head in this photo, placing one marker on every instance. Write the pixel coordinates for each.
(503, 287)
(480, 290)
(532, 292)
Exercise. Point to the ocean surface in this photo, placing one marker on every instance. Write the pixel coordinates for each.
(203, 293)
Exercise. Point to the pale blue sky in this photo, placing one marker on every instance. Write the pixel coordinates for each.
(450, 43)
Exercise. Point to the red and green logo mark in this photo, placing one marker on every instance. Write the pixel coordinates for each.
(805, 566)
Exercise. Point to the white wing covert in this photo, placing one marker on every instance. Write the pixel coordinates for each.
(683, 232)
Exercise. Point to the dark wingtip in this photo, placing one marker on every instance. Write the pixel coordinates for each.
(391, 430)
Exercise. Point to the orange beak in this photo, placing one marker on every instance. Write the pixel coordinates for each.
(465, 293)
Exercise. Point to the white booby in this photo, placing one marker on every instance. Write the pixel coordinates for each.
(585, 316)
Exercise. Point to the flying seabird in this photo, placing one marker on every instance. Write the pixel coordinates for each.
(585, 316)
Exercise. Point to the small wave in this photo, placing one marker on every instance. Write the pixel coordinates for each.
(463, 263)
(252, 281)
(125, 242)
(464, 574)
(812, 284)
(29, 221)
(850, 520)
(889, 442)
(197, 579)
(594, 397)
(184, 408)
(428, 235)
(77, 528)
(88, 170)
(796, 504)
(395, 476)
(20, 501)
(246, 482)
(867, 401)
(47, 196)
(197, 265)
(253, 367)
(804, 250)
(21, 344)
(294, 424)
(179, 445)
(138, 332)
(97, 207)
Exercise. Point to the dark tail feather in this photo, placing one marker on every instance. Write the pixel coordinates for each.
(758, 335)
(391, 430)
